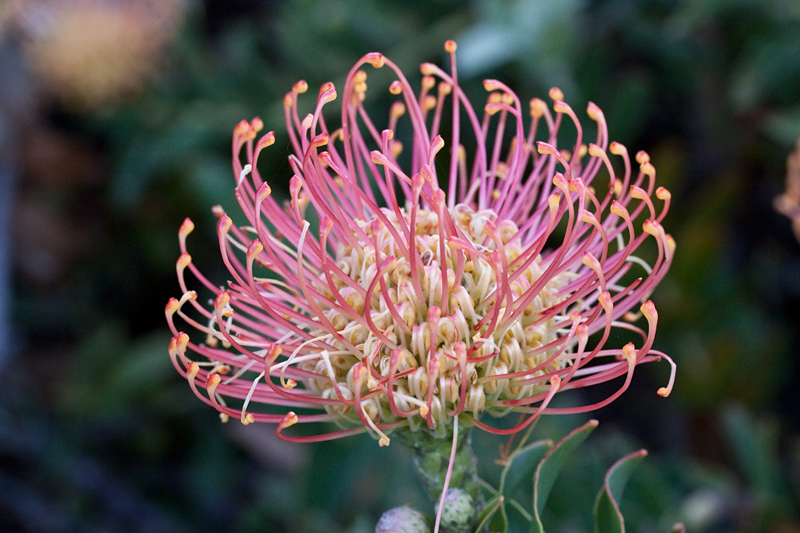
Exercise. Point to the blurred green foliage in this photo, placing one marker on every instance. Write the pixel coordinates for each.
(98, 433)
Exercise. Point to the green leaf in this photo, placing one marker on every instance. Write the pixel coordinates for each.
(488, 511)
(521, 464)
(549, 467)
(499, 523)
(607, 516)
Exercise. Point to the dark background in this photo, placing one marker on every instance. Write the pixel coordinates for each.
(112, 133)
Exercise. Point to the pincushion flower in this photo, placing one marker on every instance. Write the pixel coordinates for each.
(416, 278)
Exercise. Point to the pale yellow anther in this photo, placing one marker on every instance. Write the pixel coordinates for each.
(397, 148)
(328, 96)
(652, 227)
(561, 182)
(427, 69)
(663, 194)
(606, 301)
(638, 193)
(437, 144)
(595, 151)
(618, 209)
(247, 419)
(377, 157)
(648, 309)
(383, 441)
(300, 87)
(582, 150)
(192, 371)
(288, 99)
(360, 87)
(268, 139)
(591, 261)
(545, 149)
(398, 109)
(429, 102)
(561, 107)
(375, 59)
(289, 420)
(213, 381)
(445, 88)
(617, 148)
(670, 244)
(492, 108)
(537, 107)
(188, 295)
(629, 351)
(450, 46)
(263, 192)
(566, 155)
(428, 82)
(222, 299)
(642, 157)
(494, 98)
(492, 85)
(172, 306)
(555, 94)
(183, 261)
(396, 87)
(594, 112)
(553, 200)
(254, 249)
(186, 228)
(648, 169)
(423, 411)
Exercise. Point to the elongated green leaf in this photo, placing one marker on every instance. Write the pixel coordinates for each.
(550, 466)
(607, 516)
(491, 508)
(499, 522)
(521, 464)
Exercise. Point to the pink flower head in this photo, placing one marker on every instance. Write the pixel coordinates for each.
(436, 283)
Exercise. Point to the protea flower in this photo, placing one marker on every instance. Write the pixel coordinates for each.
(408, 285)
(93, 53)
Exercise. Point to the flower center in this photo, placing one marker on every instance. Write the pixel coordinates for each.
(425, 350)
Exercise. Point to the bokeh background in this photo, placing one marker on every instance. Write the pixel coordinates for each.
(115, 123)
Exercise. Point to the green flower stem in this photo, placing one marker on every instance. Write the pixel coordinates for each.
(431, 456)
